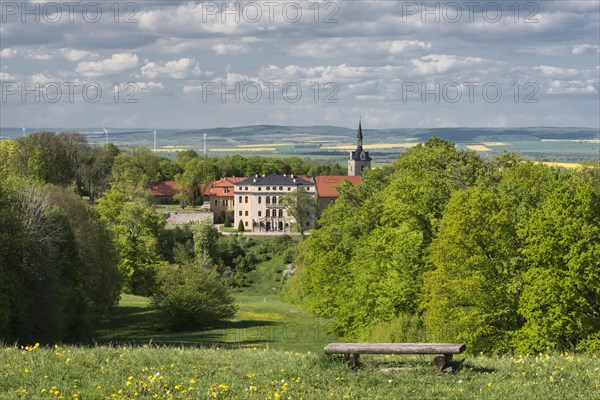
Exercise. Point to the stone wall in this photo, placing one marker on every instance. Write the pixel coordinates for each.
(182, 218)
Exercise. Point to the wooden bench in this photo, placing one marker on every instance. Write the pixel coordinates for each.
(443, 351)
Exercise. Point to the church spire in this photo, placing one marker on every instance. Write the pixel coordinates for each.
(359, 136)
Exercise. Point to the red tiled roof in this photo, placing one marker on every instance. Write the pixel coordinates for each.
(163, 188)
(217, 188)
(326, 184)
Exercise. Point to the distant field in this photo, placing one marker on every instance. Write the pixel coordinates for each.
(478, 147)
(330, 143)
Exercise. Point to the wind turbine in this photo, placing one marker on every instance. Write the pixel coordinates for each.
(23, 131)
(204, 144)
(155, 141)
(106, 134)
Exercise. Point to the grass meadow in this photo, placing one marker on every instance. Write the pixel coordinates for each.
(271, 350)
(164, 372)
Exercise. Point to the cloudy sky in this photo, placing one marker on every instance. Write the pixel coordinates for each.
(176, 64)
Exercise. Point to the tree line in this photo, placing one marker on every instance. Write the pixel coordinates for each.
(502, 254)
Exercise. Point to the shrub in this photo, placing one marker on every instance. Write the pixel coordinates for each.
(402, 328)
(192, 295)
(227, 223)
(240, 227)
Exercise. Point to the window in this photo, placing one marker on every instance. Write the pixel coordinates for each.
(260, 213)
(246, 199)
(268, 213)
(225, 190)
(224, 203)
(274, 200)
(246, 213)
(289, 189)
(281, 213)
(240, 199)
(259, 188)
(268, 200)
(216, 202)
(259, 199)
(281, 188)
(246, 188)
(307, 223)
(240, 213)
(268, 188)
(246, 223)
(239, 188)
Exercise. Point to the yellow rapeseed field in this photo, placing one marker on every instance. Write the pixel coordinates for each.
(478, 147)
(372, 146)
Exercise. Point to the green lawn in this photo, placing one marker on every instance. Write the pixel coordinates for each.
(263, 321)
(146, 372)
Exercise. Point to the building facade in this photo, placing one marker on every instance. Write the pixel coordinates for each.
(220, 195)
(258, 202)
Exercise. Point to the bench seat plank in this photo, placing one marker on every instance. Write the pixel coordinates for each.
(395, 348)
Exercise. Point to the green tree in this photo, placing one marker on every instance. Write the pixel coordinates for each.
(135, 228)
(302, 206)
(206, 238)
(561, 298)
(197, 174)
(192, 296)
(136, 168)
(364, 264)
(94, 171)
(240, 226)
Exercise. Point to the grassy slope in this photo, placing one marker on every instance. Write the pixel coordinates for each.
(271, 350)
(263, 321)
(183, 373)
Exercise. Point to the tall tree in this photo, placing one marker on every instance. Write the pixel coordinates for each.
(561, 297)
(197, 174)
(302, 206)
(135, 229)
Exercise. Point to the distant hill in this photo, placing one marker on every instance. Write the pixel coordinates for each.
(331, 142)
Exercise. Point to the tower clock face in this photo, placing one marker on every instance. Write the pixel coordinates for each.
(363, 156)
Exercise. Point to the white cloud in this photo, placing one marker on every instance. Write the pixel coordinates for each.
(579, 49)
(5, 76)
(75, 55)
(231, 48)
(176, 69)
(42, 79)
(150, 85)
(119, 62)
(434, 64)
(400, 46)
(8, 53)
(362, 47)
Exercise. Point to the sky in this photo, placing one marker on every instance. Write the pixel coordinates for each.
(395, 64)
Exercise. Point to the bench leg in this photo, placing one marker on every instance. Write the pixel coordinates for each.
(353, 361)
(442, 360)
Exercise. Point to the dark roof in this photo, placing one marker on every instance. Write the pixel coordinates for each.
(276, 180)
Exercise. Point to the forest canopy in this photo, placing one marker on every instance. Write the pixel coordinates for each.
(502, 254)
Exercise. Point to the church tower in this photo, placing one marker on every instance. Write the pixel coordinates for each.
(359, 159)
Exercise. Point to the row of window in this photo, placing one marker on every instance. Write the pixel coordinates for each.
(268, 213)
(289, 188)
(224, 203)
(268, 200)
